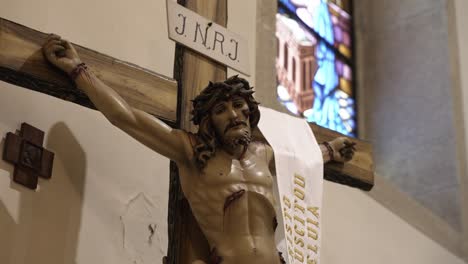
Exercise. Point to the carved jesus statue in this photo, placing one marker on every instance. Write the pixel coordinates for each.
(224, 175)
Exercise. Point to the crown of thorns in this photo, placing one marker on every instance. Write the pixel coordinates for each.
(221, 91)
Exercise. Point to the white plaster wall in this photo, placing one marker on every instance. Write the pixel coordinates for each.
(106, 189)
(100, 174)
(357, 229)
(130, 31)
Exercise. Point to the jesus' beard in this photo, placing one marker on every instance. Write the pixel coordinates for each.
(237, 139)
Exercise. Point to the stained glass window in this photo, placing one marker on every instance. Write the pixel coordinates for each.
(315, 62)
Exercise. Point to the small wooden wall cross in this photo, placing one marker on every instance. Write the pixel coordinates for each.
(31, 160)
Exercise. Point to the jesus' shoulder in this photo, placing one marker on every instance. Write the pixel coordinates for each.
(158, 136)
(262, 150)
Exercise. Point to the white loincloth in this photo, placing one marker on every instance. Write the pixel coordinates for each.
(299, 170)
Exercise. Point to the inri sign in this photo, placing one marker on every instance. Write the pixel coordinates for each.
(210, 39)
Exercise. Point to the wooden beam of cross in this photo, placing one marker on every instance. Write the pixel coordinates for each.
(21, 63)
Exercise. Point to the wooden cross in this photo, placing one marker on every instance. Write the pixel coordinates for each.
(31, 160)
(22, 64)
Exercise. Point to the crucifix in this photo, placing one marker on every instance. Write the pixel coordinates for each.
(21, 63)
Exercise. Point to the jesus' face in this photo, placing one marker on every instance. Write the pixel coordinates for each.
(231, 121)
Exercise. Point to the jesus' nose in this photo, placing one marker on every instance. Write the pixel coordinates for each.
(233, 114)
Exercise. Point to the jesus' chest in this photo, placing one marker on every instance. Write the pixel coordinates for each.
(223, 170)
(224, 176)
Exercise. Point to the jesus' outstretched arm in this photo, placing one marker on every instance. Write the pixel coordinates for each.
(145, 128)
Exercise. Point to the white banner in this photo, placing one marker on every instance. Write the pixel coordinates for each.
(299, 170)
(210, 39)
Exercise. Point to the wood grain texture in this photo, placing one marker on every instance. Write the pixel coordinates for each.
(22, 63)
(198, 70)
(359, 172)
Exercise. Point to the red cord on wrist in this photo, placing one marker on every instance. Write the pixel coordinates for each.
(77, 70)
(330, 149)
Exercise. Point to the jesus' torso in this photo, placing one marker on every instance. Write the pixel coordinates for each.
(232, 200)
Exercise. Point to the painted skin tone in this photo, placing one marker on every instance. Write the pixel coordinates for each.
(232, 196)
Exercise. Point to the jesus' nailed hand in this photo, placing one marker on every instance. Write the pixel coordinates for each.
(224, 175)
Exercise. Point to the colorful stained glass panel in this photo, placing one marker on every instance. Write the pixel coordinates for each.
(315, 36)
(323, 16)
